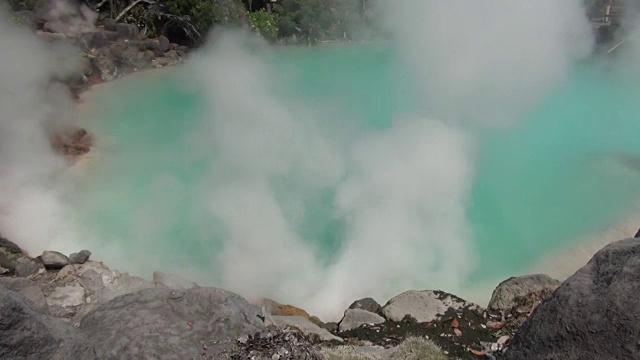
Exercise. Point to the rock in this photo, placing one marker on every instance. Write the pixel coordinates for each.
(27, 334)
(80, 257)
(29, 289)
(26, 267)
(522, 291)
(424, 306)
(4, 271)
(354, 318)
(105, 64)
(67, 296)
(94, 40)
(163, 44)
(275, 308)
(305, 326)
(109, 24)
(366, 304)
(172, 281)
(637, 234)
(169, 324)
(127, 31)
(592, 315)
(182, 50)
(111, 35)
(54, 260)
(8, 262)
(148, 44)
(9, 246)
(64, 16)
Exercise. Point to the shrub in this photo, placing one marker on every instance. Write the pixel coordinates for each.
(264, 23)
(343, 353)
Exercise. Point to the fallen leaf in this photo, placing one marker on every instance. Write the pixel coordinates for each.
(503, 340)
(495, 324)
(455, 323)
(478, 352)
(190, 323)
(458, 332)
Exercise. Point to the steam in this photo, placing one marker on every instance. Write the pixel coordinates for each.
(32, 211)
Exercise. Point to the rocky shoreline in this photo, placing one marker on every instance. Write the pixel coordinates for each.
(61, 307)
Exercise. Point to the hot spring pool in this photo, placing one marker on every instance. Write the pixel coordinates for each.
(188, 177)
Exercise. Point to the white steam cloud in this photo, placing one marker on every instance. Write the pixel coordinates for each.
(32, 210)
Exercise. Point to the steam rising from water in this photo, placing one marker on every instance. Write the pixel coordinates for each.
(396, 196)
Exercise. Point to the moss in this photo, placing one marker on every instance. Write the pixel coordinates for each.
(418, 349)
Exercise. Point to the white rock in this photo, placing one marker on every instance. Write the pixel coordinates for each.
(54, 260)
(66, 296)
(306, 326)
(424, 306)
(354, 318)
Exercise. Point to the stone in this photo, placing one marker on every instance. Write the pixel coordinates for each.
(54, 260)
(148, 44)
(172, 281)
(522, 291)
(637, 234)
(105, 64)
(424, 306)
(26, 267)
(164, 44)
(127, 31)
(109, 24)
(592, 315)
(9, 246)
(29, 289)
(80, 257)
(67, 296)
(7, 261)
(354, 318)
(94, 40)
(182, 50)
(366, 304)
(27, 334)
(275, 308)
(170, 324)
(111, 35)
(305, 326)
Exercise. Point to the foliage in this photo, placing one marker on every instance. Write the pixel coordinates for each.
(308, 19)
(264, 23)
(343, 353)
(418, 349)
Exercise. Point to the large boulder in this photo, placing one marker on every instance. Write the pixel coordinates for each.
(305, 326)
(169, 324)
(522, 291)
(27, 334)
(27, 267)
(424, 306)
(592, 315)
(82, 256)
(27, 288)
(354, 318)
(54, 260)
(366, 304)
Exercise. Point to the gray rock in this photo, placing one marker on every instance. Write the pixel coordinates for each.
(94, 40)
(4, 271)
(127, 31)
(111, 35)
(105, 64)
(26, 267)
(29, 289)
(522, 291)
(80, 257)
(305, 326)
(67, 296)
(366, 304)
(424, 306)
(169, 324)
(182, 50)
(8, 261)
(148, 44)
(354, 318)
(109, 24)
(172, 281)
(27, 334)
(592, 315)
(163, 44)
(54, 260)
(637, 234)
(10, 246)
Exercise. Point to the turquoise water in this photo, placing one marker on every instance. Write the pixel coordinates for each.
(551, 178)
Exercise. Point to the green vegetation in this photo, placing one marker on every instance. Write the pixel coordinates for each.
(264, 23)
(418, 349)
